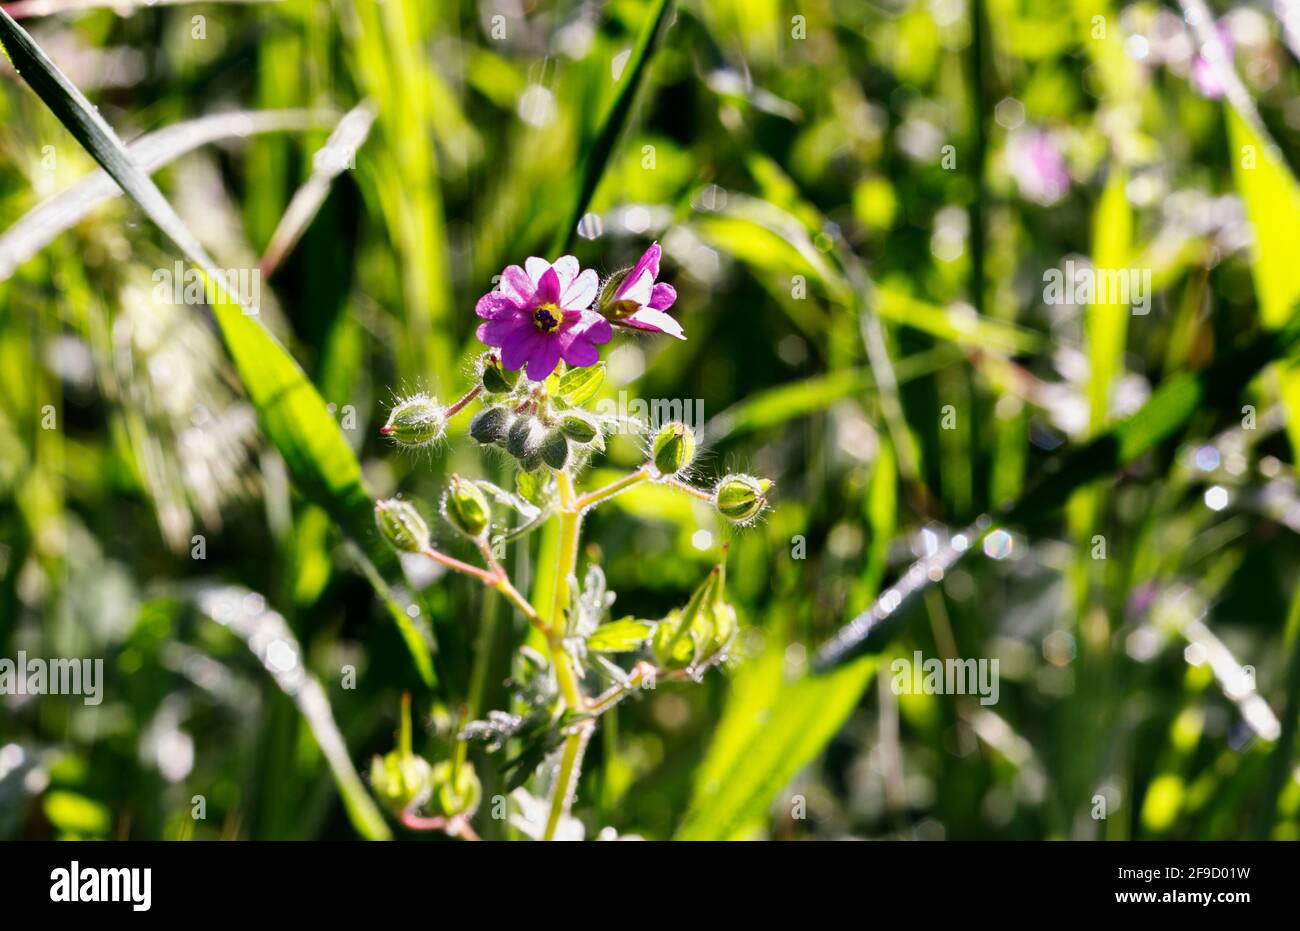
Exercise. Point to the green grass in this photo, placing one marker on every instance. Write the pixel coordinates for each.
(894, 386)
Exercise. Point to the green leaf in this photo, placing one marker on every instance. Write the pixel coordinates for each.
(531, 487)
(578, 386)
(75, 814)
(292, 412)
(620, 636)
(1107, 324)
(259, 629)
(767, 748)
(1272, 200)
(611, 124)
(37, 228)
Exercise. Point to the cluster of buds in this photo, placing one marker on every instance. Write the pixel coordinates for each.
(406, 782)
(700, 634)
(538, 423)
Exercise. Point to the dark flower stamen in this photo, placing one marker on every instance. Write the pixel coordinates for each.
(547, 317)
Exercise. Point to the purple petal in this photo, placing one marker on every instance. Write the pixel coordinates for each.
(663, 296)
(578, 342)
(649, 262)
(544, 357)
(581, 352)
(566, 266)
(536, 268)
(592, 325)
(516, 284)
(637, 290)
(580, 294)
(548, 288)
(494, 304)
(503, 329)
(647, 318)
(521, 346)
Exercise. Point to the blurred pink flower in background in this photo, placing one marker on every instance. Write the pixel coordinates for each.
(1205, 71)
(1036, 162)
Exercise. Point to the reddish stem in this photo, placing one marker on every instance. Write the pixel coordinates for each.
(473, 393)
(487, 578)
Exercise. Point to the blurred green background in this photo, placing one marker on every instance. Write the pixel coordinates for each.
(857, 202)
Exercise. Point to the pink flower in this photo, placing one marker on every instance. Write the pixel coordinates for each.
(541, 315)
(637, 301)
(1036, 162)
(1205, 71)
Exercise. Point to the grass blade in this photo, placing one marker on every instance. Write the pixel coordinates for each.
(41, 225)
(793, 735)
(291, 410)
(765, 756)
(611, 124)
(1169, 410)
(339, 151)
(269, 638)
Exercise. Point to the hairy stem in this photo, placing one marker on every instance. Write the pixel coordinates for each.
(451, 562)
(566, 780)
(691, 490)
(455, 826)
(495, 577)
(516, 598)
(610, 490)
(643, 676)
(456, 408)
(566, 565)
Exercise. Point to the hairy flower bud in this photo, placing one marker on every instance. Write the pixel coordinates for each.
(700, 633)
(525, 437)
(401, 781)
(496, 380)
(489, 425)
(416, 421)
(555, 449)
(739, 498)
(673, 448)
(607, 304)
(459, 795)
(401, 525)
(466, 508)
(579, 427)
(723, 631)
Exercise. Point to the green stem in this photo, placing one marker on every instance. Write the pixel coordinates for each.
(451, 562)
(566, 564)
(404, 742)
(610, 490)
(691, 490)
(566, 780)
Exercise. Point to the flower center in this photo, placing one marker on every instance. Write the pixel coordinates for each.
(547, 317)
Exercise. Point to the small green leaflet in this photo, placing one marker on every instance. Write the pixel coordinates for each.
(578, 386)
(620, 636)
